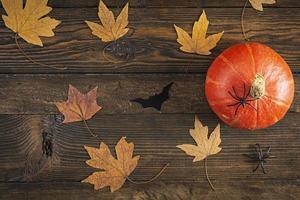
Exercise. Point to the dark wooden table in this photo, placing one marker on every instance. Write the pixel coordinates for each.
(28, 92)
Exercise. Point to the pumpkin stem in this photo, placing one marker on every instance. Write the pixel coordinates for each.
(258, 87)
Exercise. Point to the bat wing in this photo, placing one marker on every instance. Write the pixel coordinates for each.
(156, 100)
(167, 88)
(142, 102)
(164, 95)
(157, 106)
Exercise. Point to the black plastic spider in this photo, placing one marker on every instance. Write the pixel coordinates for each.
(260, 157)
(241, 101)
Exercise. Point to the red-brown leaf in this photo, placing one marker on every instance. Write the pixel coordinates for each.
(79, 106)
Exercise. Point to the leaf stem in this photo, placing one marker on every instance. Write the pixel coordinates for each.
(242, 21)
(88, 128)
(152, 179)
(206, 174)
(32, 60)
(85, 123)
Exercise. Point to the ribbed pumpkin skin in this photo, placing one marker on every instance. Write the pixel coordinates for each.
(237, 66)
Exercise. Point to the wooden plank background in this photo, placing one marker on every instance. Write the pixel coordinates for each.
(29, 118)
(153, 41)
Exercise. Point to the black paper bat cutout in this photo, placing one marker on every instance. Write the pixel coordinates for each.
(156, 100)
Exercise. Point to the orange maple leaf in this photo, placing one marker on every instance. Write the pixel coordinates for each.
(79, 107)
(114, 171)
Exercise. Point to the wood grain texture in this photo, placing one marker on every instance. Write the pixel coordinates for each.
(167, 3)
(155, 137)
(40, 158)
(153, 41)
(263, 190)
(36, 94)
(27, 136)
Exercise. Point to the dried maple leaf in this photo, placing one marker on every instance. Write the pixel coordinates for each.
(206, 146)
(257, 4)
(115, 170)
(79, 107)
(111, 29)
(29, 22)
(198, 43)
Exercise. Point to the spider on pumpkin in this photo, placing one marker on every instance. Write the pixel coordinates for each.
(241, 101)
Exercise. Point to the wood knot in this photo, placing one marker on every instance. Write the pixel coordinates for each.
(47, 145)
(121, 49)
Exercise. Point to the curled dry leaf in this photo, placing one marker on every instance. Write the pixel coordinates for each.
(198, 43)
(258, 4)
(79, 107)
(206, 145)
(115, 171)
(28, 22)
(111, 29)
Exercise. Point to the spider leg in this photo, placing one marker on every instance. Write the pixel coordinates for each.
(237, 108)
(260, 157)
(265, 157)
(252, 157)
(267, 154)
(251, 106)
(244, 91)
(257, 147)
(262, 167)
(234, 104)
(258, 152)
(233, 96)
(235, 92)
(254, 170)
(248, 93)
(269, 149)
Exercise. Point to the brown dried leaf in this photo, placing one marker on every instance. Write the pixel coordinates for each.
(257, 4)
(198, 43)
(79, 106)
(111, 29)
(29, 22)
(115, 171)
(206, 146)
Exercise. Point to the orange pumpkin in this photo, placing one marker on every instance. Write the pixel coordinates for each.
(249, 86)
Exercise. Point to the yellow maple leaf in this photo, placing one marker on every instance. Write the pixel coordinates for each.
(198, 43)
(115, 171)
(257, 4)
(205, 145)
(28, 22)
(111, 29)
